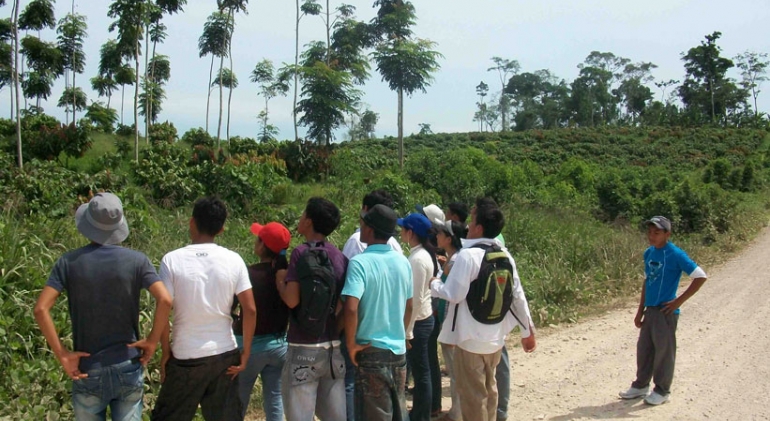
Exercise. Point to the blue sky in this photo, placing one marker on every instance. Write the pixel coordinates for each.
(549, 34)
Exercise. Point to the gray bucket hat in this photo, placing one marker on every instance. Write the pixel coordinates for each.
(101, 220)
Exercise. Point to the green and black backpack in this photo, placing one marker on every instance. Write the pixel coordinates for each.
(490, 295)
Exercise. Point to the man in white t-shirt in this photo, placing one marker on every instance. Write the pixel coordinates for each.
(200, 364)
(354, 245)
(479, 345)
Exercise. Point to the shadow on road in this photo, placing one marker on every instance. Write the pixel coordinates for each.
(616, 409)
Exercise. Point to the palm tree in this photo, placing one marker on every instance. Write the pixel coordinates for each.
(228, 80)
(215, 31)
(73, 98)
(45, 65)
(270, 86)
(404, 63)
(16, 82)
(72, 30)
(129, 23)
(125, 75)
(112, 72)
(233, 7)
(308, 7)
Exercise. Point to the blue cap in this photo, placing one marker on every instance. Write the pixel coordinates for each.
(417, 223)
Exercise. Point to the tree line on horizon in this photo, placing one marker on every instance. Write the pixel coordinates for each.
(326, 75)
(614, 90)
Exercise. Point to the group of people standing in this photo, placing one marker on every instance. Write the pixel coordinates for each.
(330, 332)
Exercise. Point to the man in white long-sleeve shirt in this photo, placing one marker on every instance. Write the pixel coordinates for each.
(479, 345)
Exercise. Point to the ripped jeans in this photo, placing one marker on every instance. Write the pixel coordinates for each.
(313, 382)
(380, 381)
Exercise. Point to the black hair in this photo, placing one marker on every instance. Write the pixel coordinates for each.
(489, 216)
(459, 209)
(209, 214)
(428, 243)
(458, 232)
(324, 215)
(381, 235)
(378, 197)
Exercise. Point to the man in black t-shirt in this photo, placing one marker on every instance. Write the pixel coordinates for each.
(103, 282)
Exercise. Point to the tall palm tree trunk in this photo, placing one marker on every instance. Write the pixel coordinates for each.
(208, 89)
(136, 103)
(152, 78)
(122, 101)
(232, 77)
(19, 159)
(296, 76)
(401, 127)
(146, 90)
(221, 100)
(74, 97)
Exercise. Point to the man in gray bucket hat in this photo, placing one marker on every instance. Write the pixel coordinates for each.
(103, 282)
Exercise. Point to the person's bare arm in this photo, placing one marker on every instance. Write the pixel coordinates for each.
(249, 311)
(163, 303)
(351, 328)
(289, 291)
(407, 319)
(68, 360)
(671, 306)
(640, 311)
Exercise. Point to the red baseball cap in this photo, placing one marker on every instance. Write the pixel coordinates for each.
(273, 235)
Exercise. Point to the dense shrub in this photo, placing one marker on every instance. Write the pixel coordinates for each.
(242, 145)
(125, 130)
(163, 171)
(198, 137)
(47, 143)
(163, 133)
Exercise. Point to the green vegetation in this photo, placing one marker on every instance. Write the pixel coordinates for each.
(573, 199)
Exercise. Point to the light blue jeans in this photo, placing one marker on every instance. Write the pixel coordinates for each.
(314, 383)
(267, 360)
(119, 386)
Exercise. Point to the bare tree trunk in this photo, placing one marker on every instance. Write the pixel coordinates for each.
(713, 109)
(401, 127)
(146, 92)
(152, 78)
(122, 101)
(221, 101)
(74, 97)
(19, 157)
(296, 75)
(328, 36)
(136, 103)
(208, 89)
(232, 77)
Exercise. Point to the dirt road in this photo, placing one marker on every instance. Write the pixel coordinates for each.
(723, 358)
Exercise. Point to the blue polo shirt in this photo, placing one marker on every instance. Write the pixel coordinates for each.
(382, 280)
(663, 268)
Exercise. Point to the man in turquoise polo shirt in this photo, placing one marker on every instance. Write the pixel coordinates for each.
(378, 306)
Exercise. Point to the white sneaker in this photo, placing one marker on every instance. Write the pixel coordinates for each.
(633, 393)
(655, 398)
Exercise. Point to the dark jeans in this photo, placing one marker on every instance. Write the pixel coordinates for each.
(350, 381)
(503, 378)
(656, 350)
(435, 368)
(418, 358)
(380, 378)
(201, 381)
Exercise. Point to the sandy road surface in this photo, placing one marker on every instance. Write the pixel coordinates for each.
(723, 357)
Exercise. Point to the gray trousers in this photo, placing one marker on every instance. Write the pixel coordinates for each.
(656, 350)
